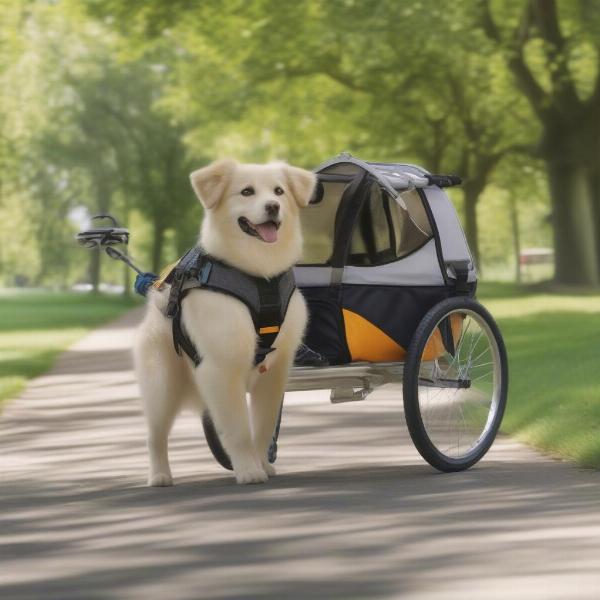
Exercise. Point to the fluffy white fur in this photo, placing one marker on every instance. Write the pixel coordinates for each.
(221, 327)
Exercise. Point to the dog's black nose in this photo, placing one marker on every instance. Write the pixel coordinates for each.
(272, 208)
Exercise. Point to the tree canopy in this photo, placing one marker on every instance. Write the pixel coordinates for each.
(109, 104)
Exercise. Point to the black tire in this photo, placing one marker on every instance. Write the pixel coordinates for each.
(419, 432)
(220, 454)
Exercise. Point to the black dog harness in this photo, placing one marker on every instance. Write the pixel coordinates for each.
(266, 299)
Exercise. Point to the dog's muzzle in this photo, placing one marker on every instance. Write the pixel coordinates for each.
(266, 231)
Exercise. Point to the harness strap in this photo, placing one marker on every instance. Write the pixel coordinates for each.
(269, 317)
(185, 268)
(177, 278)
(181, 341)
(266, 299)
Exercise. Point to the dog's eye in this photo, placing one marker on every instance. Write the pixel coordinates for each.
(278, 191)
(248, 191)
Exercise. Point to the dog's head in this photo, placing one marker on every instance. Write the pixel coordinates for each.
(251, 213)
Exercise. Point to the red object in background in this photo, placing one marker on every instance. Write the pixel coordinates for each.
(536, 256)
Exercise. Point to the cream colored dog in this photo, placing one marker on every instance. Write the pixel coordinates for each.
(251, 222)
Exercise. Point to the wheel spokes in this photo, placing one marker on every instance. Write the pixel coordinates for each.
(457, 417)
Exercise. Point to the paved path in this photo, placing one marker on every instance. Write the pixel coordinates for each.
(354, 512)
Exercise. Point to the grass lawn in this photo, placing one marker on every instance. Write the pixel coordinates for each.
(36, 326)
(553, 345)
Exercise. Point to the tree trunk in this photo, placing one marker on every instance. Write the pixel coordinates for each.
(516, 235)
(157, 246)
(472, 191)
(103, 198)
(95, 267)
(573, 215)
(568, 147)
(569, 141)
(595, 192)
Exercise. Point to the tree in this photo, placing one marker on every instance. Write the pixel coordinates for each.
(109, 131)
(152, 160)
(400, 93)
(301, 81)
(20, 115)
(554, 56)
(423, 96)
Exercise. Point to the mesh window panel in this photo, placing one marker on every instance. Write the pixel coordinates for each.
(318, 220)
(385, 231)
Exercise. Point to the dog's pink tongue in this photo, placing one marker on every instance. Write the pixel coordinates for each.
(267, 231)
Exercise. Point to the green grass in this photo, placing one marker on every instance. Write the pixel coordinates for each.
(552, 339)
(36, 326)
(553, 345)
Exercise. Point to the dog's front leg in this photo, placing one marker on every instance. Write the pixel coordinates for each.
(269, 386)
(224, 392)
(225, 339)
(265, 402)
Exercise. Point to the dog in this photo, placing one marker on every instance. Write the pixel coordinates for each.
(251, 222)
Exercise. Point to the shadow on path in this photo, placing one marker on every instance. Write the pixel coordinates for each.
(354, 512)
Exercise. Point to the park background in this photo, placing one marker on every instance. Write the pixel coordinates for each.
(107, 105)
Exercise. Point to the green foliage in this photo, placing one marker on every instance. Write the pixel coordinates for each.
(36, 327)
(110, 104)
(552, 343)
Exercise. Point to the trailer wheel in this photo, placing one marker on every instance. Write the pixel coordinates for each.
(455, 384)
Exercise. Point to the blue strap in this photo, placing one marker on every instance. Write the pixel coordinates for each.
(143, 282)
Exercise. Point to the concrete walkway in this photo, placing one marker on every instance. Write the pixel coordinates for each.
(354, 512)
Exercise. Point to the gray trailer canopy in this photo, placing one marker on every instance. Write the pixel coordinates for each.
(416, 240)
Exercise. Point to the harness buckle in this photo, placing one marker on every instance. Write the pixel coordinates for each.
(172, 309)
(460, 269)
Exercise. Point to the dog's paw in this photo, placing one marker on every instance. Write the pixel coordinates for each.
(252, 475)
(160, 480)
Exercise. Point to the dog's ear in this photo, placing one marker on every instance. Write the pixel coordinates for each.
(301, 183)
(210, 182)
